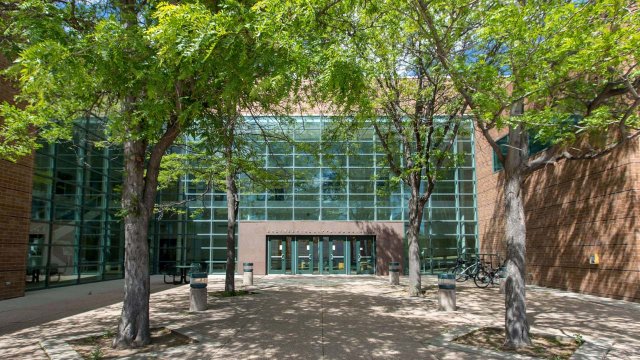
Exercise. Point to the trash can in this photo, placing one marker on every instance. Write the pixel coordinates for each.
(394, 273)
(198, 292)
(447, 292)
(247, 269)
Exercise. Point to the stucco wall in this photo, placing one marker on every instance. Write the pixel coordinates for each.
(252, 239)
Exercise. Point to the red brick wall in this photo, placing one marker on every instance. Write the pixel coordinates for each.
(573, 210)
(15, 212)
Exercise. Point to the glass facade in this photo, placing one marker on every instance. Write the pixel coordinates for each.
(340, 181)
(76, 234)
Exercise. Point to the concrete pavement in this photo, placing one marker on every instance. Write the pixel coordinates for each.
(41, 306)
(342, 317)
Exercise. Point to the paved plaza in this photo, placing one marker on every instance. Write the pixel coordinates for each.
(341, 317)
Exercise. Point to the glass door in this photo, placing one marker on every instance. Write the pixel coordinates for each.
(305, 259)
(337, 255)
(277, 255)
(365, 250)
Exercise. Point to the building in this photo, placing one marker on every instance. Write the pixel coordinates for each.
(323, 221)
(338, 213)
(583, 232)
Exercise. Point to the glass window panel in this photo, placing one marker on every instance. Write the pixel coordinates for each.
(334, 147)
(201, 227)
(361, 174)
(361, 187)
(466, 187)
(389, 200)
(334, 200)
(280, 148)
(440, 227)
(445, 187)
(465, 174)
(306, 174)
(466, 201)
(467, 213)
(361, 214)
(309, 187)
(252, 214)
(390, 214)
(280, 160)
(334, 213)
(468, 227)
(307, 214)
(307, 134)
(252, 200)
(361, 201)
(220, 213)
(280, 200)
(334, 161)
(220, 227)
(40, 209)
(334, 187)
(361, 148)
(307, 201)
(443, 200)
(443, 213)
(307, 161)
(280, 214)
(361, 161)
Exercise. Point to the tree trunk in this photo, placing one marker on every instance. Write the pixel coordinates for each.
(516, 325)
(232, 216)
(133, 329)
(416, 209)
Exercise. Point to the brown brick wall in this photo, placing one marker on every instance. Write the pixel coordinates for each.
(573, 209)
(15, 212)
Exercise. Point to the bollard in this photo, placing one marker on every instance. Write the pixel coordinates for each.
(394, 273)
(198, 292)
(247, 269)
(447, 292)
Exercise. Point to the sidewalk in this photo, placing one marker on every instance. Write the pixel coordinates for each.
(340, 317)
(41, 306)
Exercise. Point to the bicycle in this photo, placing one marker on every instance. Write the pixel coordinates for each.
(485, 277)
(464, 272)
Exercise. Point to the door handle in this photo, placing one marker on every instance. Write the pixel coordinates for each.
(282, 256)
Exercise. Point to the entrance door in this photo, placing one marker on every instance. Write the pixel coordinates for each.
(362, 255)
(337, 255)
(305, 251)
(278, 255)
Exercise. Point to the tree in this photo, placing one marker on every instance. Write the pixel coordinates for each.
(235, 46)
(556, 72)
(396, 87)
(109, 60)
(107, 69)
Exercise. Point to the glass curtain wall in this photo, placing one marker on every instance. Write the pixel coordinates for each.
(341, 182)
(74, 234)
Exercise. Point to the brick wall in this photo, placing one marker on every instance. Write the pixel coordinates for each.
(15, 212)
(573, 210)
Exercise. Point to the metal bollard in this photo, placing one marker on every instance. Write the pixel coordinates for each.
(394, 273)
(198, 292)
(247, 279)
(447, 292)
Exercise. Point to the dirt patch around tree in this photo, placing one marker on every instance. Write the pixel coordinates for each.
(542, 346)
(99, 347)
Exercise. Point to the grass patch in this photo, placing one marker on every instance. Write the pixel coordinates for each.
(99, 347)
(543, 346)
(224, 294)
